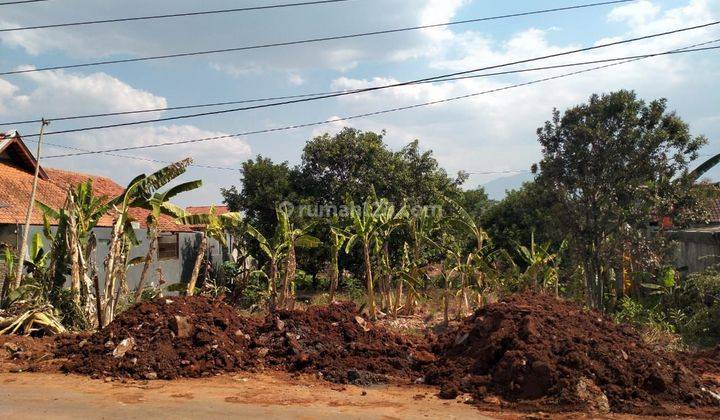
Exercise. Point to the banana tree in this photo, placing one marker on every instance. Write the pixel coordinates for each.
(388, 219)
(461, 218)
(159, 204)
(293, 237)
(214, 226)
(138, 192)
(337, 240)
(365, 228)
(422, 226)
(542, 264)
(274, 249)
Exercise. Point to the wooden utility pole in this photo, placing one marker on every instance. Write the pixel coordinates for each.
(31, 206)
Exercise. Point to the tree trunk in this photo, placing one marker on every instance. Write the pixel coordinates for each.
(272, 290)
(196, 267)
(74, 250)
(446, 305)
(398, 296)
(334, 274)
(369, 281)
(290, 269)
(111, 261)
(148, 261)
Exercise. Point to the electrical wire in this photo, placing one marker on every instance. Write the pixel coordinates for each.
(173, 15)
(306, 95)
(370, 89)
(302, 41)
(338, 119)
(8, 3)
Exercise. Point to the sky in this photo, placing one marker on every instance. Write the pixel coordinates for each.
(491, 136)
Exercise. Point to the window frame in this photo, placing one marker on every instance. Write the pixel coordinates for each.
(176, 255)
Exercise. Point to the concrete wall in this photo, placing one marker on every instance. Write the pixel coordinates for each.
(174, 270)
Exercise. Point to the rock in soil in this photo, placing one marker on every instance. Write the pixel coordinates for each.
(537, 348)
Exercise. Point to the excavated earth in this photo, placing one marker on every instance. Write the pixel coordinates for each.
(339, 345)
(527, 352)
(164, 338)
(536, 350)
(190, 337)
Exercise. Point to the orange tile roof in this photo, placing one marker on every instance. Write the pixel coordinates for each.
(16, 184)
(206, 209)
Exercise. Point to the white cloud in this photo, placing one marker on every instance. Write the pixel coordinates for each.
(221, 153)
(7, 95)
(636, 13)
(295, 79)
(496, 131)
(58, 93)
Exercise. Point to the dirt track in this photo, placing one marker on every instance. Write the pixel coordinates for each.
(273, 395)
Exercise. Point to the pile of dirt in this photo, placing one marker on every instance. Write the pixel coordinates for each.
(27, 354)
(537, 350)
(703, 361)
(164, 338)
(339, 345)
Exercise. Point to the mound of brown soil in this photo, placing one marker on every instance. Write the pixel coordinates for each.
(703, 361)
(335, 342)
(557, 354)
(164, 338)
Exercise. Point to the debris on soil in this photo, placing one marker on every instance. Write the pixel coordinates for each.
(20, 353)
(164, 338)
(339, 345)
(535, 348)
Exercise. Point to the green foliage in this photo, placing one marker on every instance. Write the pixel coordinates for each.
(698, 297)
(633, 312)
(614, 164)
(525, 211)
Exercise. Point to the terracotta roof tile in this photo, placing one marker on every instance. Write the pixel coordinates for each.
(715, 211)
(206, 209)
(16, 184)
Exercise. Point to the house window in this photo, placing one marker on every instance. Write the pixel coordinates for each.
(168, 246)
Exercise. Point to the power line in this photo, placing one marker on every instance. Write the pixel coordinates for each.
(7, 3)
(350, 91)
(370, 89)
(172, 15)
(303, 41)
(352, 117)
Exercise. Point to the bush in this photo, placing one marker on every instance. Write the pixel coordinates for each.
(698, 297)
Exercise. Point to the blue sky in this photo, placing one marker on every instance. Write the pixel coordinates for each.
(490, 133)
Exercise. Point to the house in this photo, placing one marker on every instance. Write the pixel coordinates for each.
(699, 246)
(177, 244)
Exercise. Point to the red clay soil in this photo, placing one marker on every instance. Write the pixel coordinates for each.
(27, 354)
(197, 336)
(542, 352)
(173, 337)
(705, 361)
(335, 343)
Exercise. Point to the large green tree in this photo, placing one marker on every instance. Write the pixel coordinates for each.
(615, 165)
(263, 186)
(352, 162)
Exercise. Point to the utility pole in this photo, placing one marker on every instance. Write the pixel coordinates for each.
(31, 205)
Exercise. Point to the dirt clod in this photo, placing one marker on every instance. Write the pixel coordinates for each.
(554, 353)
(165, 344)
(336, 343)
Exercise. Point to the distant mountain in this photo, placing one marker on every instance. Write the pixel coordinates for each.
(496, 188)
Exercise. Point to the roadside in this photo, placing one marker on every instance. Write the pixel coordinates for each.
(274, 395)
